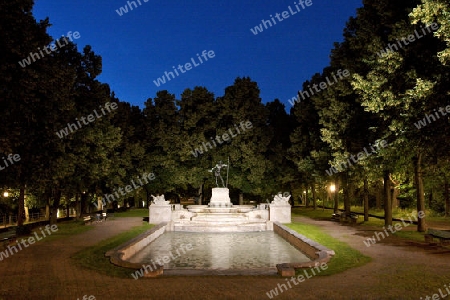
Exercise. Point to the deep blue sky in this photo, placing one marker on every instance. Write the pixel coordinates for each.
(139, 46)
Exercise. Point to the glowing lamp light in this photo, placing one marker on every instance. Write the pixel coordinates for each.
(332, 188)
(5, 194)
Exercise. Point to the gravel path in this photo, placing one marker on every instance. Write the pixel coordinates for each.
(45, 271)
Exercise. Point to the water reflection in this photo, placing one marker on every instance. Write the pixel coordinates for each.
(220, 250)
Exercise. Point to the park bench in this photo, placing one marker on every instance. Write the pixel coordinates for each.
(442, 235)
(336, 216)
(343, 217)
(87, 219)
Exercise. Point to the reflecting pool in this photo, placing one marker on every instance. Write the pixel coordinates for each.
(245, 250)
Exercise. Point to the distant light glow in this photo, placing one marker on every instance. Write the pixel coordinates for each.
(5, 194)
(332, 188)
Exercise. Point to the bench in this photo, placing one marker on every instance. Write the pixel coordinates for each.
(343, 217)
(336, 216)
(87, 219)
(442, 235)
(353, 217)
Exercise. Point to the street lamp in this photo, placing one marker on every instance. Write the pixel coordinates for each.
(332, 190)
(5, 194)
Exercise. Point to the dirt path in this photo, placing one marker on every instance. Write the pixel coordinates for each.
(45, 271)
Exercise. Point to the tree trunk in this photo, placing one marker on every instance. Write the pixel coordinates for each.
(387, 200)
(68, 205)
(346, 194)
(430, 198)
(394, 192)
(77, 206)
(336, 197)
(21, 213)
(313, 190)
(447, 199)
(200, 194)
(83, 200)
(306, 196)
(56, 200)
(421, 224)
(378, 195)
(47, 210)
(366, 200)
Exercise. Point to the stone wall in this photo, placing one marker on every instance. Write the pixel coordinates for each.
(122, 253)
(319, 254)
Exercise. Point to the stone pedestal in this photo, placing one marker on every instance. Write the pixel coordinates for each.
(160, 213)
(220, 197)
(280, 213)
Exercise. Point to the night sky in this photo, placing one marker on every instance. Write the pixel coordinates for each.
(140, 46)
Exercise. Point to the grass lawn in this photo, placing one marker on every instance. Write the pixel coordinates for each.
(65, 229)
(134, 212)
(94, 257)
(345, 257)
(317, 214)
(375, 222)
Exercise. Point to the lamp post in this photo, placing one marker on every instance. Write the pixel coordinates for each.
(6, 195)
(333, 195)
(332, 190)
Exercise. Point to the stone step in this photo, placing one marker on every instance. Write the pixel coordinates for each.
(221, 222)
(194, 227)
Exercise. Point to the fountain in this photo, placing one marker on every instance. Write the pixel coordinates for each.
(226, 238)
(220, 215)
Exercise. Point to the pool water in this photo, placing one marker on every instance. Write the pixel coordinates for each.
(246, 250)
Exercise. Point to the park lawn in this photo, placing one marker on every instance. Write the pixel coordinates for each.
(345, 256)
(65, 229)
(318, 214)
(133, 212)
(94, 257)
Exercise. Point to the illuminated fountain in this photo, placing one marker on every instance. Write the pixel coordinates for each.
(224, 239)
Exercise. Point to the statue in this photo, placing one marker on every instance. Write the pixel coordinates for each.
(216, 170)
(159, 200)
(281, 199)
